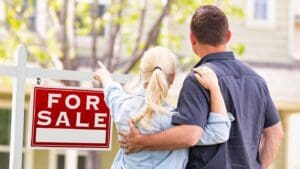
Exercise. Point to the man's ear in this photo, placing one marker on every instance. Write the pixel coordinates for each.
(171, 78)
(193, 39)
(228, 37)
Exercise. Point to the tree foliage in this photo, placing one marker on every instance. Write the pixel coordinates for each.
(123, 28)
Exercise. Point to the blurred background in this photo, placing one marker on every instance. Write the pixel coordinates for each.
(74, 34)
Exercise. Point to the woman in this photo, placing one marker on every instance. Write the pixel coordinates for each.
(151, 113)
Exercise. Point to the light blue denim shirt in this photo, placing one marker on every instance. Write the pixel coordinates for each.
(123, 106)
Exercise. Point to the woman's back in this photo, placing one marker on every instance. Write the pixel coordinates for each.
(151, 115)
(124, 107)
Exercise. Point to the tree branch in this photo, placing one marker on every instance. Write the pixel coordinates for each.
(64, 36)
(151, 37)
(94, 12)
(141, 28)
(113, 32)
(138, 37)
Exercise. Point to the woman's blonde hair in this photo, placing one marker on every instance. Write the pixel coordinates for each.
(158, 66)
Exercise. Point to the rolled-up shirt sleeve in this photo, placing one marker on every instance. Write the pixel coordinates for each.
(193, 104)
(217, 129)
(271, 114)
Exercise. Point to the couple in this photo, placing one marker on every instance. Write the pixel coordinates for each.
(200, 133)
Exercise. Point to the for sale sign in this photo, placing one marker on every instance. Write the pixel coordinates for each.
(69, 118)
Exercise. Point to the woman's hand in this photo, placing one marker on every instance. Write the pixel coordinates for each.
(102, 74)
(207, 78)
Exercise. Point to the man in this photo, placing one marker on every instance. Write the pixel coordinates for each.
(256, 132)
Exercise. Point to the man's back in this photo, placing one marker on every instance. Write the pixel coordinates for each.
(247, 98)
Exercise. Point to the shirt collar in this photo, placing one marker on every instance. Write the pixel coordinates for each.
(216, 56)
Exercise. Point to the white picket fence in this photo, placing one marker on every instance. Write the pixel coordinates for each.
(19, 72)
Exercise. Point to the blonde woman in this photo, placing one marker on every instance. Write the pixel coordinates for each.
(151, 113)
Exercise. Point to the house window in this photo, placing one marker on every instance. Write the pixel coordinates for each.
(4, 158)
(83, 11)
(260, 10)
(61, 160)
(5, 137)
(4, 127)
(5, 118)
(261, 13)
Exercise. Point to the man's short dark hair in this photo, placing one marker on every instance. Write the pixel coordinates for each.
(210, 25)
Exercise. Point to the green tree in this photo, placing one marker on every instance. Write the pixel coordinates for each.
(131, 27)
(125, 29)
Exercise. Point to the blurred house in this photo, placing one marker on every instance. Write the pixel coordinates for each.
(45, 159)
(271, 35)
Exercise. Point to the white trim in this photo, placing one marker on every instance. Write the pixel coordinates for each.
(270, 23)
(52, 159)
(28, 158)
(4, 148)
(291, 28)
(71, 159)
(53, 154)
(289, 142)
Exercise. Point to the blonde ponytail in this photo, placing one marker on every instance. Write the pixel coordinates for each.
(157, 66)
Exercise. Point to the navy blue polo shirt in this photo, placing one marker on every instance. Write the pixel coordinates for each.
(246, 96)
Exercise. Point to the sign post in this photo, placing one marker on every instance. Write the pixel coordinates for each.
(17, 112)
(20, 72)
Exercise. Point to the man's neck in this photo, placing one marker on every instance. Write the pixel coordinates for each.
(207, 49)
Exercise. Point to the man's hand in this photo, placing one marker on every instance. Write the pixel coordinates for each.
(170, 139)
(131, 141)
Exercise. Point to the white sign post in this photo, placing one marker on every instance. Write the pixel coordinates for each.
(17, 113)
(20, 72)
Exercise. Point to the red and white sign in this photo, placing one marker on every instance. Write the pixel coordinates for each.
(69, 118)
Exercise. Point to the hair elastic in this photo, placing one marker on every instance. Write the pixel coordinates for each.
(157, 67)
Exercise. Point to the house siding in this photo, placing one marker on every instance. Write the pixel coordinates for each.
(261, 44)
(264, 44)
